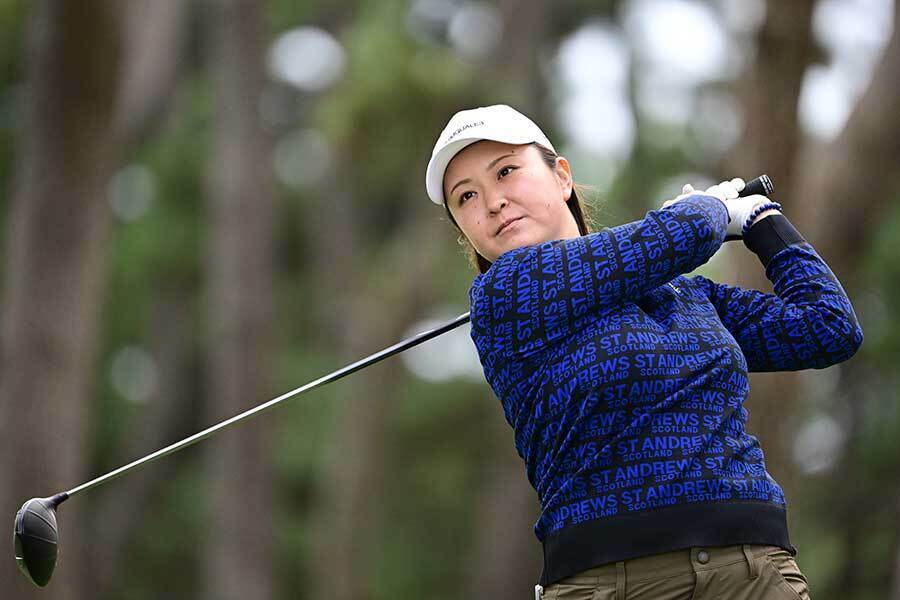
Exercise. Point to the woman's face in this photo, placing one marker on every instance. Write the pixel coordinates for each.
(504, 197)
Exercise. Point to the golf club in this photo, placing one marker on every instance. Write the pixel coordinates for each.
(36, 534)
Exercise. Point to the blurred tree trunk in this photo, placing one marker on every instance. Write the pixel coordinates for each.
(153, 40)
(347, 513)
(154, 33)
(516, 61)
(120, 507)
(769, 96)
(856, 174)
(506, 560)
(55, 269)
(240, 342)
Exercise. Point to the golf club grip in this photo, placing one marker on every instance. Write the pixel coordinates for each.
(761, 185)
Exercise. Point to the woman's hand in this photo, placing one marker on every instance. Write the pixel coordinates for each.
(739, 208)
(686, 190)
(723, 191)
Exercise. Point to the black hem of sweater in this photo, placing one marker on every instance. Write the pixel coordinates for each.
(769, 236)
(587, 545)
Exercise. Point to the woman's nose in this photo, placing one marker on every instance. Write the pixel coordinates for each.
(496, 201)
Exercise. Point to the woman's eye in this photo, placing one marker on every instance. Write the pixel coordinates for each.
(505, 171)
(464, 196)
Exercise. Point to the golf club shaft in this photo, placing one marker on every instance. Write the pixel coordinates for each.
(360, 364)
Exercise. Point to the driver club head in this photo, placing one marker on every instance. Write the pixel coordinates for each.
(36, 536)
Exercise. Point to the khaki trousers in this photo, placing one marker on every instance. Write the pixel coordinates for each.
(741, 572)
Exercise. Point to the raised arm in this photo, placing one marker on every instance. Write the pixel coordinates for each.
(807, 323)
(535, 295)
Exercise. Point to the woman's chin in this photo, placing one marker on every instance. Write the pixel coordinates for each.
(516, 240)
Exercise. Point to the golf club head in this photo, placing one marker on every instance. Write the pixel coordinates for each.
(36, 536)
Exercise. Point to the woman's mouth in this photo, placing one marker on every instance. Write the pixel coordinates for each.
(511, 224)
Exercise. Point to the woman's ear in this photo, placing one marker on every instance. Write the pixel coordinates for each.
(564, 175)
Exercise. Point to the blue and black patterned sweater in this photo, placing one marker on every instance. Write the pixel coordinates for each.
(624, 380)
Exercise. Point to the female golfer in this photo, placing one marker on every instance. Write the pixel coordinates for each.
(624, 380)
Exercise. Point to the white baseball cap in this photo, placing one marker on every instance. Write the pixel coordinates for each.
(499, 122)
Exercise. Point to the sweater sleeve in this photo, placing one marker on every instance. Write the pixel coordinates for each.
(533, 296)
(807, 323)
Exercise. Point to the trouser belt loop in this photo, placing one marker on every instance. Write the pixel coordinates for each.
(620, 580)
(751, 564)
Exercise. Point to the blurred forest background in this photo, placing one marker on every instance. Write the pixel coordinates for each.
(207, 203)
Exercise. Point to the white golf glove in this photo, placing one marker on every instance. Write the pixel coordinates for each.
(687, 190)
(723, 191)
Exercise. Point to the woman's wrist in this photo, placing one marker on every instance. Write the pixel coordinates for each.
(760, 212)
(766, 213)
